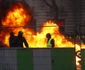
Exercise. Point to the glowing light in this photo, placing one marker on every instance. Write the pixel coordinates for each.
(17, 16)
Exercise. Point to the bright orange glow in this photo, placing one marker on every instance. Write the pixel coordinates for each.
(17, 16)
(38, 40)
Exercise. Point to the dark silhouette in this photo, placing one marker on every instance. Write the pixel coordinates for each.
(50, 41)
(12, 40)
(21, 40)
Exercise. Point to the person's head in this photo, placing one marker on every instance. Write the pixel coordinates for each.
(20, 33)
(11, 34)
(48, 35)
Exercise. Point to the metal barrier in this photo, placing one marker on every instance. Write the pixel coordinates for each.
(63, 59)
(37, 59)
(82, 59)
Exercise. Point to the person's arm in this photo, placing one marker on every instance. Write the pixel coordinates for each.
(25, 42)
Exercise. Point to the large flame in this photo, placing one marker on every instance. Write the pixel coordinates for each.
(17, 16)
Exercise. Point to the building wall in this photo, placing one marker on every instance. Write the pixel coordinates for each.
(66, 10)
(83, 16)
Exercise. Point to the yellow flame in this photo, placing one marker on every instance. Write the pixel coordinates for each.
(17, 16)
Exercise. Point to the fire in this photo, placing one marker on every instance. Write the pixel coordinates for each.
(38, 40)
(17, 16)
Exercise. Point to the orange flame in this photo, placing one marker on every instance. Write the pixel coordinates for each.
(17, 16)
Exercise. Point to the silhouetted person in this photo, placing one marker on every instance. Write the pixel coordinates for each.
(50, 41)
(21, 40)
(12, 40)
